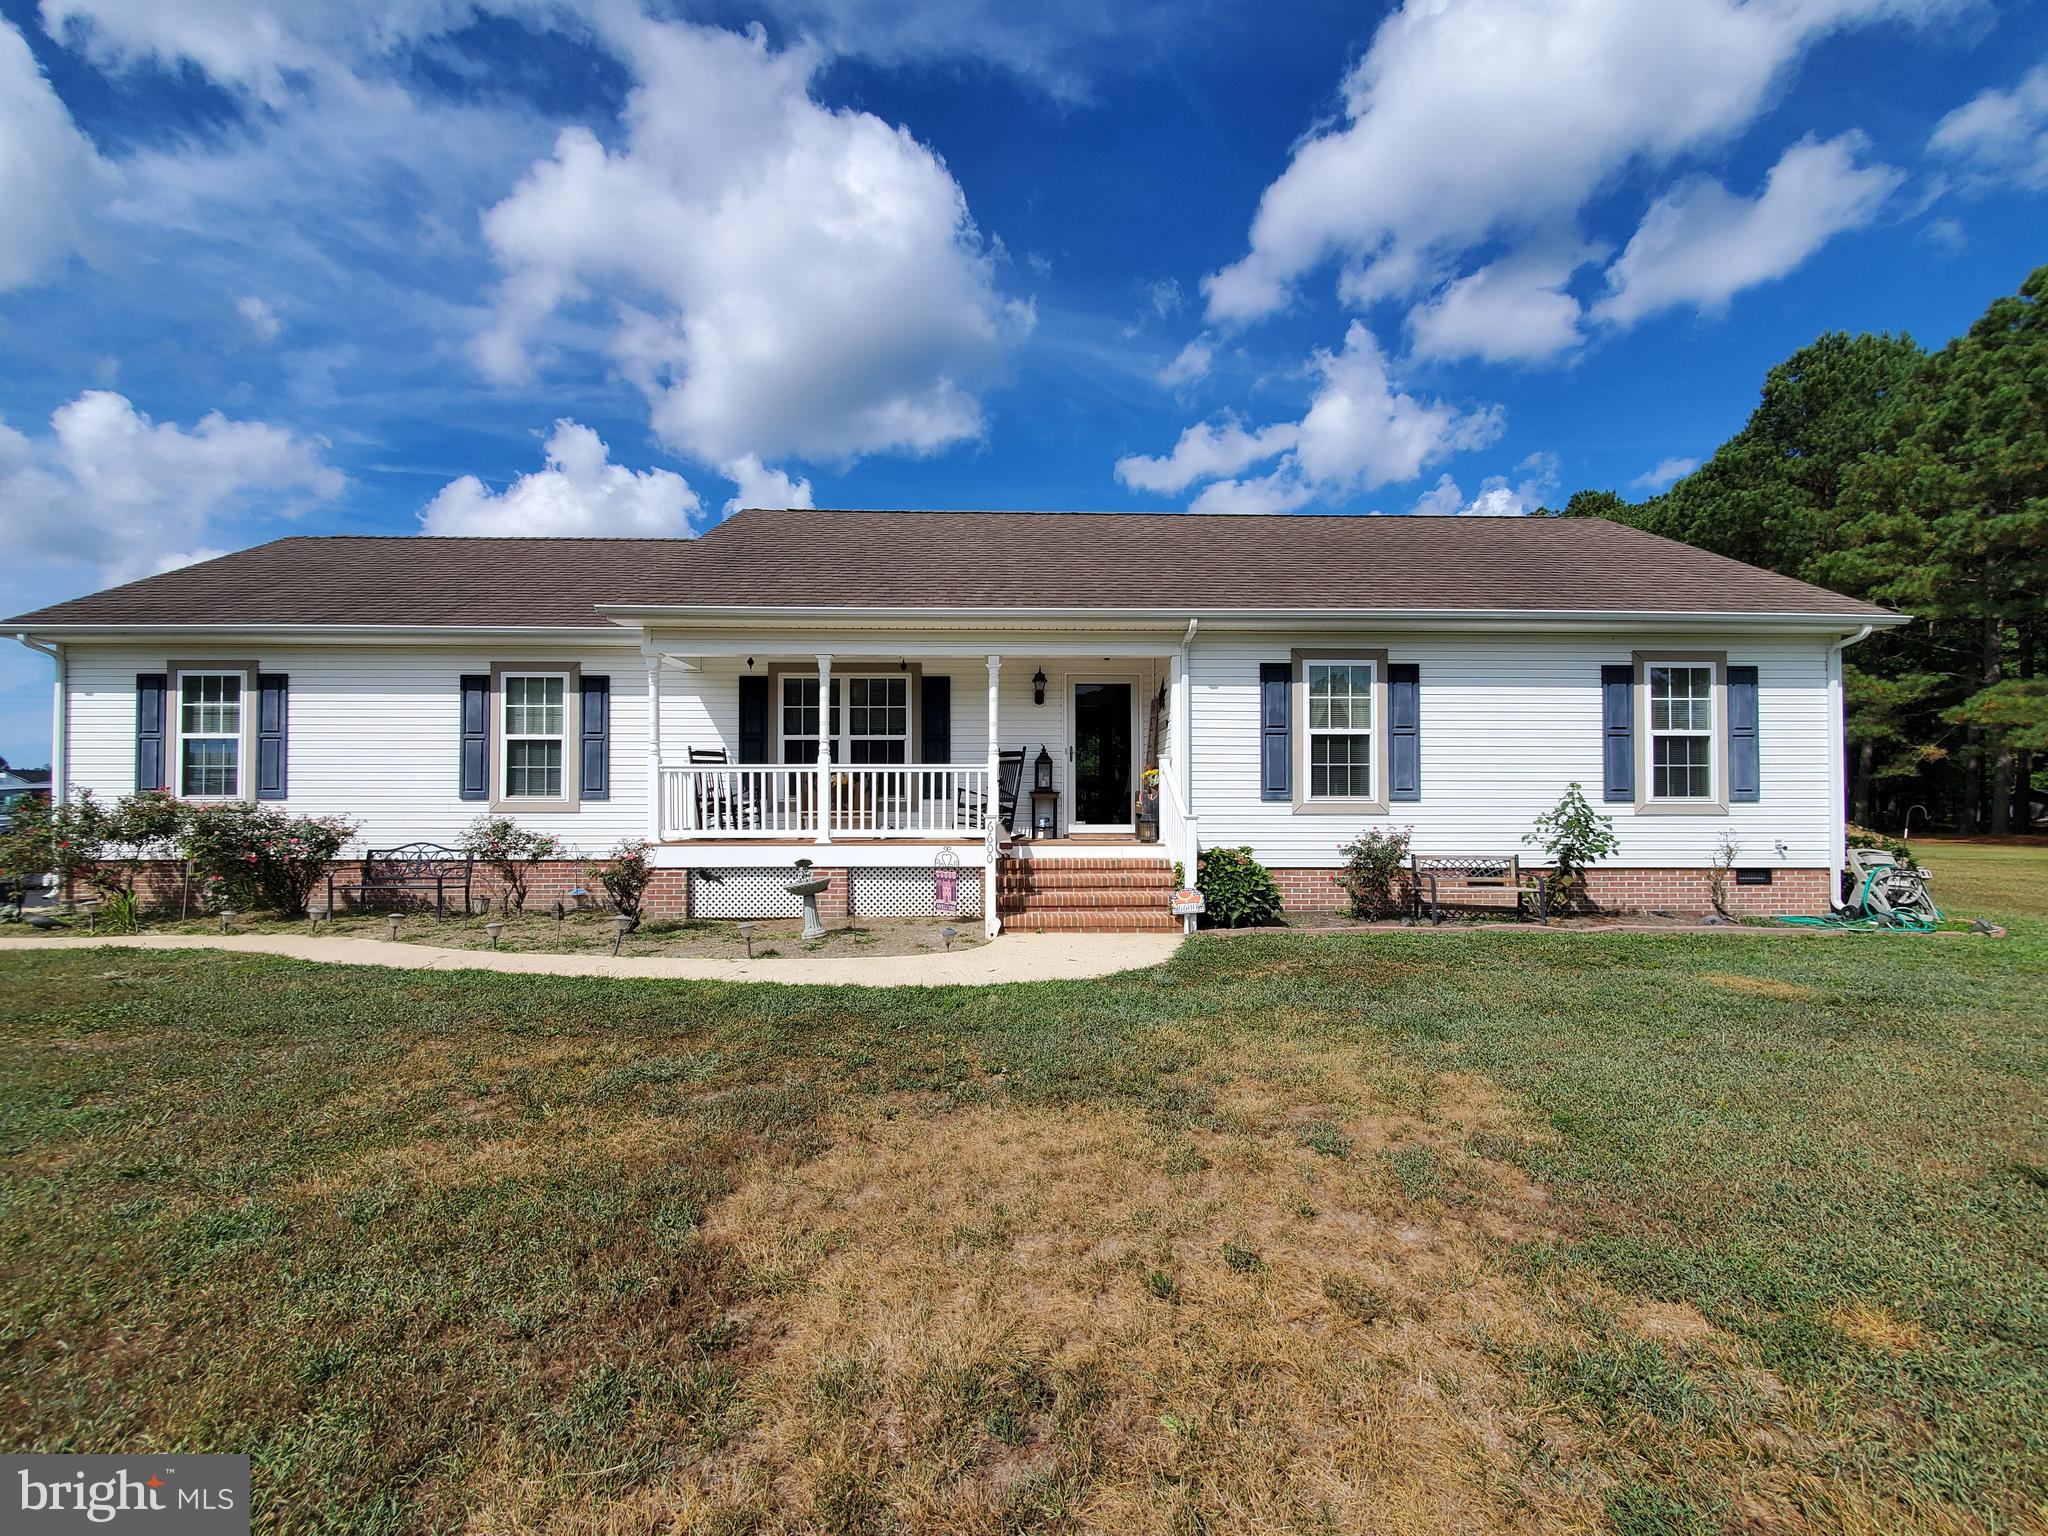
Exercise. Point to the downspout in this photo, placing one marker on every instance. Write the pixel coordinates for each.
(60, 715)
(1838, 759)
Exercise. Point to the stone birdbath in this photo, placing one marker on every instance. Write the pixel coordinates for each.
(808, 885)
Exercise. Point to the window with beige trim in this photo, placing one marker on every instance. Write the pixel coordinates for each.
(1682, 731)
(1340, 732)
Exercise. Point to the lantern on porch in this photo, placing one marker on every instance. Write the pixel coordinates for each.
(1041, 771)
(1038, 686)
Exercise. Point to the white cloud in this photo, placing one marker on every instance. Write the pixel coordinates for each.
(52, 181)
(789, 279)
(1189, 364)
(261, 317)
(1361, 430)
(1204, 452)
(2000, 135)
(109, 488)
(760, 486)
(1667, 473)
(1515, 310)
(1701, 244)
(1281, 491)
(1534, 481)
(258, 48)
(580, 492)
(1166, 297)
(1471, 120)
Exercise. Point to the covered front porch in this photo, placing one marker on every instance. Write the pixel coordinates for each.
(871, 749)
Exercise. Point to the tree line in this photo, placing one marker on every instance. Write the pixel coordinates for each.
(1917, 480)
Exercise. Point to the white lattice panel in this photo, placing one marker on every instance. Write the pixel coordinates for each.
(749, 894)
(911, 893)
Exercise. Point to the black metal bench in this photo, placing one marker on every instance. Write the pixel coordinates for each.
(1461, 880)
(410, 872)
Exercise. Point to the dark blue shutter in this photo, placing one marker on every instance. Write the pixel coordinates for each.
(1276, 734)
(476, 736)
(151, 768)
(1404, 731)
(935, 704)
(273, 711)
(594, 782)
(1745, 777)
(1618, 731)
(753, 719)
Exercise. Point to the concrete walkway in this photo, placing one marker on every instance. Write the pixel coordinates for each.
(1013, 957)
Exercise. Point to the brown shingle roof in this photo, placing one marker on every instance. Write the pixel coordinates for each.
(1112, 561)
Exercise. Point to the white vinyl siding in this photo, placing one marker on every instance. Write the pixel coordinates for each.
(1508, 719)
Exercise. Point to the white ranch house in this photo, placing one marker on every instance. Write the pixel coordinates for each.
(880, 693)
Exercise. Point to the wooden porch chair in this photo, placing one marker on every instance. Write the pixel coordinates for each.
(714, 809)
(1009, 775)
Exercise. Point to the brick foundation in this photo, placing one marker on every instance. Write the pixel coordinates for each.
(1684, 891)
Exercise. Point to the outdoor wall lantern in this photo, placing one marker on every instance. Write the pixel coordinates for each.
(1041, 771)
(1038, 691)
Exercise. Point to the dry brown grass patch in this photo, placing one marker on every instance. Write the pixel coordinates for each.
(1866, 1323)
(1760, 986)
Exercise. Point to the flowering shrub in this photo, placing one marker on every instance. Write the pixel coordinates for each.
(624, 876)
(106, 846)
(511, 850)
(260, 856)
(1374, 863)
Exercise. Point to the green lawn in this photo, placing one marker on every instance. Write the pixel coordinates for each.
(1396, 1232)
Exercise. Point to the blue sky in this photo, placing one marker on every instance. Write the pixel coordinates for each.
(598, 266)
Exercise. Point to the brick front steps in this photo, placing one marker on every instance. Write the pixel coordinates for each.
(1096, 895)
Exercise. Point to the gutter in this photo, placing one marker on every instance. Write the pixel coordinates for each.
(655, 617)
(60, 715)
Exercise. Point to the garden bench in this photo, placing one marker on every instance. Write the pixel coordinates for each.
(1460, 880)
(412, 870)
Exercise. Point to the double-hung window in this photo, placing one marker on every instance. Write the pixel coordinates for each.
(210, 735)
(1340, 732)
(873, 727)
(878, 719)
(534, 735)
(1682, 729)
(804, 724)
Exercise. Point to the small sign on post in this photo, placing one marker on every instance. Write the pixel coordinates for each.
(1188, 904)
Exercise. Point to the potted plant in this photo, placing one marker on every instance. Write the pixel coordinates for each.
(1148, 806)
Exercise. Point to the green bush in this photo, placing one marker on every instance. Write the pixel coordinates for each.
(258, 856)
(512, 851)
(103, 846)
(1896, 847)
(1374, 865)
(1574, 835)
(1237, 889)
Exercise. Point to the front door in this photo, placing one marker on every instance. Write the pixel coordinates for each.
(1104, 750)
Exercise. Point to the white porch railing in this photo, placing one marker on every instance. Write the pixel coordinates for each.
(864, 800)
(1179, 831)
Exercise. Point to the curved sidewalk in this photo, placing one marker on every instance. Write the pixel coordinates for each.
(1013, 957)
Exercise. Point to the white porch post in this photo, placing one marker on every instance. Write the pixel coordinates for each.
(824, 788)
(654, 828)
(992, 808)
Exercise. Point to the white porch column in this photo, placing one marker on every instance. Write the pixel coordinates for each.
(825, 740)
(654, 828)
(991, 835)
